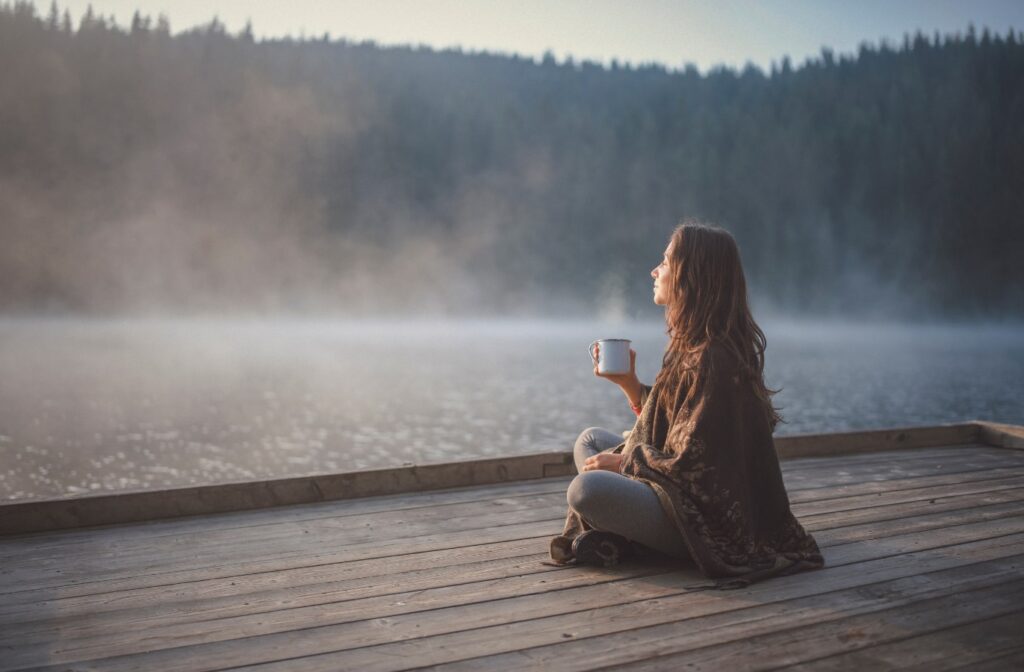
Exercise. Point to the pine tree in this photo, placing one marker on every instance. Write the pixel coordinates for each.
(53, 18)
(246, 35)
(88, 21)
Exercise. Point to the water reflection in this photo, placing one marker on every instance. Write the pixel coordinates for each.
(108, 405)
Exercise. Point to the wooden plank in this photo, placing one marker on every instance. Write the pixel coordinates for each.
(643, 631)
(949, 450)
(967, 450)
(112, 537)
(815, 472)
(139, 609)
(796, 480)
(39, 611)
(1011, 662)
(306, 632)
(121, 541)
(872, 500)
(809, 493)
(982, 456)
(122, 507)
(845, 634)
(443, 635)
(380, 524)
(1004, 436)
(105, 564)
(861, 521)
(843, 443)
(153, 558)
(914, 522)
(407, 550)
(840, 474)
(64, 649)
(145, 609)
(806, 512)
(137, 506)
(296, 513)
(265, 521)
(843, 473)
(196, 524)
(883, 513)
(149, 558)
(384, 551)
(557, 513)
(948, 509)
(946, 649)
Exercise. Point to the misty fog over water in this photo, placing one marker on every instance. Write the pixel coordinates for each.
(322, 184)
(102, 405)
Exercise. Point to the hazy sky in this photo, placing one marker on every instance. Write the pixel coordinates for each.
(637, 31)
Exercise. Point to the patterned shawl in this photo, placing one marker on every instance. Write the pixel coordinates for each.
(711, 460)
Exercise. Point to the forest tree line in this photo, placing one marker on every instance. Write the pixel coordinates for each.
(146, 170)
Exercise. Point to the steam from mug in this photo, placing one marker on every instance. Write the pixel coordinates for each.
(613, 355)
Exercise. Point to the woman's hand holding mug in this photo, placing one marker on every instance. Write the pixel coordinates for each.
(628, 381)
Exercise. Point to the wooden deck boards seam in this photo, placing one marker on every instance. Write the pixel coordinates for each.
(654, 573)
(1016, 655)
(1009, 514)
(681, 655)
(81, 536)
(799, 502)
(270, 572)
(740, 636)
(864, 539)
(126, 507)
(802, 516)
(901, 454)
(1004, 473)
(932, 551)
(556, 485)
(908, 638)
(831, 545)
(663, 596)
(979, 481)
(555, 521)
(1017, 482)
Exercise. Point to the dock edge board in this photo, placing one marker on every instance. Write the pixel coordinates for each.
(26, 516)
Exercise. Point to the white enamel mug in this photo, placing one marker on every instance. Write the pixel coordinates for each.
(613, 355)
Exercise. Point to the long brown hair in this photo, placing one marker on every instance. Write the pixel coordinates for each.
(708, 305)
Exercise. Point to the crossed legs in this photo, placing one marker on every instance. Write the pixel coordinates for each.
(617, 503)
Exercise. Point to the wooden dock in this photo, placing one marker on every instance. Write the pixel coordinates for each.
(922, 530)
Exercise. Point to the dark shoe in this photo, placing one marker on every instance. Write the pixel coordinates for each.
(596, 547)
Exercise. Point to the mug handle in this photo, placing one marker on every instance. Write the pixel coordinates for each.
(590, 349)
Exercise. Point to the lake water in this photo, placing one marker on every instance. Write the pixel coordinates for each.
(109, 405)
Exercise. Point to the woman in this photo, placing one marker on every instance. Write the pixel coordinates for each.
(698, 477)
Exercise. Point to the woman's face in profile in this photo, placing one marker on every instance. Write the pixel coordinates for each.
(662, 278)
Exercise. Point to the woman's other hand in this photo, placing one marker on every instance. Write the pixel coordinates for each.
(605, 461)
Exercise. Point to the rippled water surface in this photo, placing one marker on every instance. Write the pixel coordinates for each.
(108, 405)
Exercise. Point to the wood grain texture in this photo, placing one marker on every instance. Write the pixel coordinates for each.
(305, 545)
(917, 543)
(974, 643)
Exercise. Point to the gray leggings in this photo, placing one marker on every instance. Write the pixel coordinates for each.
(617, 503)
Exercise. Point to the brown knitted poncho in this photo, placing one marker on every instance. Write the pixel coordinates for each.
(711, 460)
